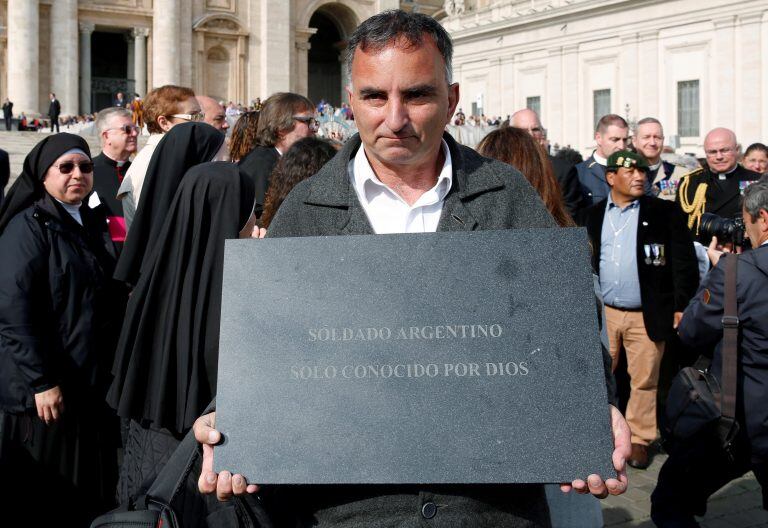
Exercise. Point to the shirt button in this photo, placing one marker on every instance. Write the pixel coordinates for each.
(429, 510)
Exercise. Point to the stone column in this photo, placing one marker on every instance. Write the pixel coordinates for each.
(166, 23)
(23, 55)
(86, 29)
(301, 81)
(749, 76)
(140, 60)
(723, 104)
(650, 94)
(275, 47)
(64, 59)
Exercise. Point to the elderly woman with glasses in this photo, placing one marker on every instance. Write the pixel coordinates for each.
(60, 313)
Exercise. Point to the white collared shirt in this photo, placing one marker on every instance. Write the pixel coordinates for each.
(386, 210)
(599, 159)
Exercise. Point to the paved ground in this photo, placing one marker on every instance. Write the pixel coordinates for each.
(738, 505)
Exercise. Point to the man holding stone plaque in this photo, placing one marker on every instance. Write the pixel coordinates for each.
(403, 174)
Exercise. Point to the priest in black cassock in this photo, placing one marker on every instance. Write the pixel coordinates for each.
(716, 189)
(118, 137)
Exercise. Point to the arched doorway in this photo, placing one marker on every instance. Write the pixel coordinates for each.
(322, 65)
(325, 60)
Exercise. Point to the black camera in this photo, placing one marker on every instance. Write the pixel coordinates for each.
(725, 229)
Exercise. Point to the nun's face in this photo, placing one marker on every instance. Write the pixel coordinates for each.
(70, 178)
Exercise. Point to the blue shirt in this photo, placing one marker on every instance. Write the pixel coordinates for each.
(619, 282)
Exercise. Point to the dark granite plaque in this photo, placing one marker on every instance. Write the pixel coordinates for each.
(424, 358)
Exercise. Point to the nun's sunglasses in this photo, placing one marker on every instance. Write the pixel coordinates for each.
(65, 167)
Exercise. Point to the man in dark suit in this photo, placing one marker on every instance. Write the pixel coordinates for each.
(527, 119)
(284, 119)
(611, 135)
(718, 188)
(648, 272)
(698, 467)
(8, 113)
(5, 173)
(54, 110)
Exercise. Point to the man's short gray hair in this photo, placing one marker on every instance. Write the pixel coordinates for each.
(756, 198)
(388, 27)
(106, 115)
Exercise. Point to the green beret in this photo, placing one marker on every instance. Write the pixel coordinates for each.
(627, 159)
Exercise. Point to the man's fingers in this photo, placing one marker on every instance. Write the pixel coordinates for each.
(207, 481)
(252, 488)
(204, 430)
(54, 413)
(579, 486)
(597, 486)
(238, 484)
(224, 486)
(566, 488)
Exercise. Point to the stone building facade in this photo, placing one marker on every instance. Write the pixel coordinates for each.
(235, 50)
(694, 64)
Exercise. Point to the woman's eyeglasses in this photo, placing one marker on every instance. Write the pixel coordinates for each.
(189, 117)
(65, 167)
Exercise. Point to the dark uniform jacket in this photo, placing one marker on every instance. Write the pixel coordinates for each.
(666, 288)
(59, 317)
(723, 196)
(702, 327)
(591, 177)
(569, 184)
(485, 194)
(258, 164)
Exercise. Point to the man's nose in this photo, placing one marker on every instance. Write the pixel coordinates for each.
(397, 114)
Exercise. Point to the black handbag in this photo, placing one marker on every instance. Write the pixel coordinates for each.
(697, 402)
(174, 502)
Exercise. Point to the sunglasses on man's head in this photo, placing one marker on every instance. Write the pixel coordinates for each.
(65, 167)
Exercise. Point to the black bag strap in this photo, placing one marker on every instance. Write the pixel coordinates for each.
(174, 474)
(729, 351)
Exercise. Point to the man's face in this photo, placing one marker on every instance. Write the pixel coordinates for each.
(614, 139)
(215, 115)
(628, 183)
(721, 152)
(649, 141)
(401, 102)
(119, 142)
(304, 125)
(530, 121)
(756, 231)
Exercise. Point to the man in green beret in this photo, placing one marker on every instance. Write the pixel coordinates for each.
(643, 253)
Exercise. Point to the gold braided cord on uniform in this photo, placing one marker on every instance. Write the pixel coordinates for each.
(696, 208)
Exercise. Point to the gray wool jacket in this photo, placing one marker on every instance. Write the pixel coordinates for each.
(485, 194)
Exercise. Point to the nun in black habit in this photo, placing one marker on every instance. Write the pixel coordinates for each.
(60, 314)
(182, 147)
(166, 361)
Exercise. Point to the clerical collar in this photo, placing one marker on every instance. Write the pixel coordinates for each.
(113, 161)
(656, 166)
(724, 175)
(73, 210)
(598, 158)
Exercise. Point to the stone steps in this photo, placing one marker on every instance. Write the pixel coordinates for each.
(18, 145)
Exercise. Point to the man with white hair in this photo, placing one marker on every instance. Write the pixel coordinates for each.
(663, 177)
(528, 119)
(118, 137)
(718, 188)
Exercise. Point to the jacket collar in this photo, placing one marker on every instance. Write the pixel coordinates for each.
(331, 186)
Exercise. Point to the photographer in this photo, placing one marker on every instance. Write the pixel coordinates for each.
(698, 467)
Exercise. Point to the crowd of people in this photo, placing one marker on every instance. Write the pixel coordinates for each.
(111, 280)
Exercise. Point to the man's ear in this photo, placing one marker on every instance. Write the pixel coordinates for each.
(453, 99)
(609, 177)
